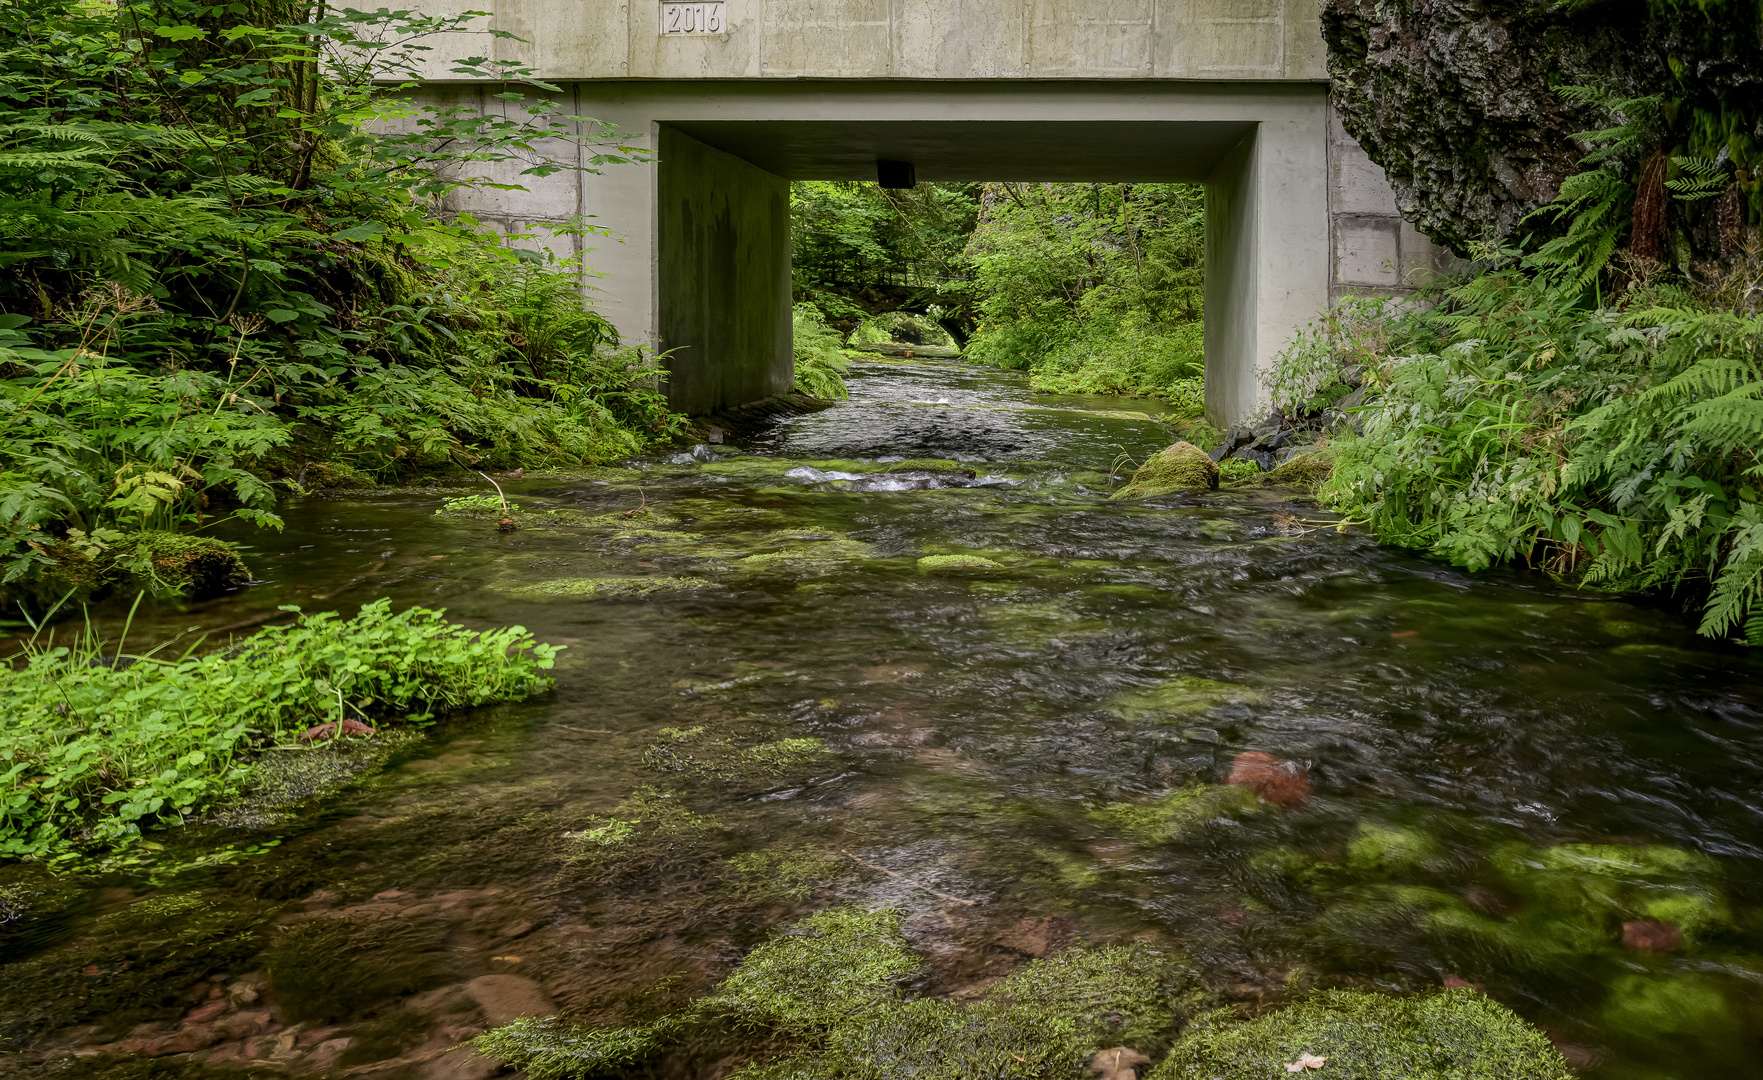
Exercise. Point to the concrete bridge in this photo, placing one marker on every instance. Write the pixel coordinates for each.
(739, 97)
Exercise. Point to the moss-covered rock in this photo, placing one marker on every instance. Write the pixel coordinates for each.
(832, 984)
(1168, 818)
(1453, 1035)
(633, 588)
(1184, 696)
(1181, 467)
(176, 563)
(956, 562)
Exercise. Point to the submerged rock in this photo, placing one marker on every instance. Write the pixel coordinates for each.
(1181, 467)
(634, 588)
(1277, 780)
(1647, 936)
(1451, 1035)
(834, 983)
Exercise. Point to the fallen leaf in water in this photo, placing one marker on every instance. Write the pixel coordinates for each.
(507, 959)
(1308, 1061)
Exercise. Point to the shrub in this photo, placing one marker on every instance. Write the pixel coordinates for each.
(100, 747)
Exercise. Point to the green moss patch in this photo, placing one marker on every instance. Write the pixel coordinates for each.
(832, 983)
(1168, 818)
(174, 563)
(691, 750)
(1185, 696)
(1453, 1035)
(1181, 467)
(956, 562)
(635, 588)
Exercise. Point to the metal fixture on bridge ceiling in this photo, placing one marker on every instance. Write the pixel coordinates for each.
(895, 174)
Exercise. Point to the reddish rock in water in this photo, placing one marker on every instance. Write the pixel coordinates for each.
(1274, 779)
(1457, 982)
(507, 998)
(1039, 938)
(1646, 936)
(1118, 1063)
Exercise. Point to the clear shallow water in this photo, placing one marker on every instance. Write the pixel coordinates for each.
(1505, 772)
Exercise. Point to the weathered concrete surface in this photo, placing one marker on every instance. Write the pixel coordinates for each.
(723, 263)
(1219, 40)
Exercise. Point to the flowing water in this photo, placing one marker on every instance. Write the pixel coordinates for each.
(998, 701)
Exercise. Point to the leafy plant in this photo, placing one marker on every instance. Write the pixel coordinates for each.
(821, 362)
(101, 745)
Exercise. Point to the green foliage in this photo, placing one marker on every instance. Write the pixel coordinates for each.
(225, 266)
(1616, 446)
(1453, 1035)
(103, 745)
(821, 362)
(859, 249)
(1095, 288)
(832, 984)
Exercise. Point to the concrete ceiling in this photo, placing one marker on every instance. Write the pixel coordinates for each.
(1026, 150)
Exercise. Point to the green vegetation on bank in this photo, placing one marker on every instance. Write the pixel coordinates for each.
(1093, 288)
(227, 273)
(1617, 445)
(100, 745)
(1587, 396)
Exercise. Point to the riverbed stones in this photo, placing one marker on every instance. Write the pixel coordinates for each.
(1276, 780)
(507, 998)
(1646, 935)
(1180, 467)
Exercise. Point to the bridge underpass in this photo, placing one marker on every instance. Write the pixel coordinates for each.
(699, 263)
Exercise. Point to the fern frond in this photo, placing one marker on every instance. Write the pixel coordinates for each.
(1701, 179)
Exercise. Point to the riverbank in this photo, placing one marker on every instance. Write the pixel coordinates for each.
(827, 669)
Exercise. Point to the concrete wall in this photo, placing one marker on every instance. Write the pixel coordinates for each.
(1031, 131)
(722, 276)
(1230, 286)
(1219, 40)
(1373, 250)
(1232, 93)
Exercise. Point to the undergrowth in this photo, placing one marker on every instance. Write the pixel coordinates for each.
(1578, 402)
(1619, 447)
(101, 745)
(820, 356)
(227, 278)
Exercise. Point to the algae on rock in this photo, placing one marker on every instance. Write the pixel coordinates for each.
(1182, 696)
(832, 983)
(1168, 818)
(1180, 467)
(631, 588)
(1450, 1035)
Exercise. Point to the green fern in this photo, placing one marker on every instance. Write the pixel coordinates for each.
(1700, 179)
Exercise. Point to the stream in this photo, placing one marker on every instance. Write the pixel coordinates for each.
(805, 671)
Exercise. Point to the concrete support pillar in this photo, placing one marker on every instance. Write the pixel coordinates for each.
(1267, 259)
(722, 276)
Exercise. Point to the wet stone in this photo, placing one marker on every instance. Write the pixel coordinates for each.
(1277, 780)
(506, 998)
(1648, 936)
